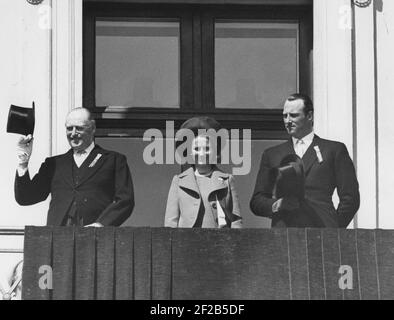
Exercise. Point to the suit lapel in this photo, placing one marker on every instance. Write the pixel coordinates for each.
(65, 167)
(218, 181)
(188, 181)
(92, 163)
(310, 157)
(288, 148)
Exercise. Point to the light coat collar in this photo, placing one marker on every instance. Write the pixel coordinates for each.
(187, 180)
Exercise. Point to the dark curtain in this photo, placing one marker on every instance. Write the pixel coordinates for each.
(164, 264)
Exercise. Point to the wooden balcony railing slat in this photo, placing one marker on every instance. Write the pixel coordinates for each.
(85, 264)
(124, 266)
(161, 264)
(385, 261)
(142, 264)
(348, 246)
(332, 261)
(296, 239)
(105, 242)
(315, 265)
(37, 255)
(63, 263)
(367, 264)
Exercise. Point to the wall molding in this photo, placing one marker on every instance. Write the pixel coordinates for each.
(366, 122)
(333, 72)
(66, 66)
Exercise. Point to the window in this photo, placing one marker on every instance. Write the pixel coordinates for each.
(145, 64)
(140, 58)
(256, 63)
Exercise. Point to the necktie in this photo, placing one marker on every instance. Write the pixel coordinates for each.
(300, 148)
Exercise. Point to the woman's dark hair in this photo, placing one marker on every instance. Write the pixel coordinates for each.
(197, 123)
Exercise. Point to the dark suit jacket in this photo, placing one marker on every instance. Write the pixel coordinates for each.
(104, 194)
(321, 179)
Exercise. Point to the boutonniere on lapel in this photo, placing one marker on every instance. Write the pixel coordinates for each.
(318, 154)
(95, 160)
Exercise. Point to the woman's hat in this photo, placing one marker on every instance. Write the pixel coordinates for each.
(21, 120)
(196, 124)
(201, 123)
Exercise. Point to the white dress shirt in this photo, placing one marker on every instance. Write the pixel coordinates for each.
(80, 157)
(302, 145)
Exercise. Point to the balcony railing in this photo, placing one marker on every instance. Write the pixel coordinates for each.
(144, 263)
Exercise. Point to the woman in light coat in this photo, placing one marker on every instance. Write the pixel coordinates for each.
(203, 196)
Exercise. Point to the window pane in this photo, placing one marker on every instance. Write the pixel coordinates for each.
(256, 63)
(137, 62)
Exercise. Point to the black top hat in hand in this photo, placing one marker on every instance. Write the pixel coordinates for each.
(289, 178)
(289, 181)
(21, 120)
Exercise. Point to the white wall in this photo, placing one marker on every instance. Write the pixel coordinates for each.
(41, 60)
(384, 123)
(332, 72)
(361, 118)
(25, 76)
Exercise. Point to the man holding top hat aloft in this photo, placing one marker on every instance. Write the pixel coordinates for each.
(326, 166)
(89, 186)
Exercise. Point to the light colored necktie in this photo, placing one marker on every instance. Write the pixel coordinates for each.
(300, 148)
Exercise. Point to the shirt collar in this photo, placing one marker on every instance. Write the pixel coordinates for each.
(89, 149)
(308, 139)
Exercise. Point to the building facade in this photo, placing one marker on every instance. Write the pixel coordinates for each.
(342, 55)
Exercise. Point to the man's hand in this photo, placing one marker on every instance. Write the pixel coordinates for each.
(285, 204)
(95, 225)
(24, 150)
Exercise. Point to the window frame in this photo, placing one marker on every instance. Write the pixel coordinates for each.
(197, 67)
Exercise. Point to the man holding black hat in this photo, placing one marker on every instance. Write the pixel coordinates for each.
(89, 186)
(326, 164)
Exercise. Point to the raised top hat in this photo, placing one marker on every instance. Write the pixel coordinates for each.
(289, 177)
(21, 120)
